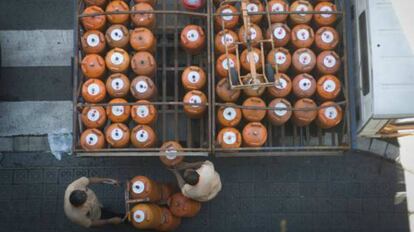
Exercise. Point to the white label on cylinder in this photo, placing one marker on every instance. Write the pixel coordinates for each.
(305, 84)
(227, 39)
(327, 37)
(117, 110)
(92, 40)
(253, 33)
(302, 8)
(117, 34)
(331, 112)
(93, 115)
(139, 216)
(326, 9)
(279, 33)
(280, 112)
(280, 58)
(329, 86)
(117, 134)
(94, 89)
(192, 35)
(92, 139)
(277, 7)
(227, 17)
(229, 137)
(282, 84)
(138, 187)
(142, 111)
(171, 153)
(329, 61)
(229, 113)
(226, 65)
(251, 7)
(193, 77)
(117, 58)
(117, 84)
(256, 57)
(141, 87)
(195, 99)
(142, 136)
(303, 34)
(305, 58)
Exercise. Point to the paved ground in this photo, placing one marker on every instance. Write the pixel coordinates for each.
(354, 192)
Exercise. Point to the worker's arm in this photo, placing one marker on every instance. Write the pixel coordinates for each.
(98, 180)
(186, 165)
(180, 179)
(102, 222)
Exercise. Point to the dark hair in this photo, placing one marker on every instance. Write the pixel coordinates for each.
(77, 198)
(191, 177)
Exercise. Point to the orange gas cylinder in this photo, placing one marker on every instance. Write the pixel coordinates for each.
(224, 92)
(117, 36)
(255, 34)
(301, 5)
(167, 190)
(226, 37)
(181, 206)
(193, 39)
(143, 88)
(151, 2)
(117, 113)
(255, 6)
(254, 134)
(93, 91)
(145, 19)
(143, 63)
(93, 117)
(117, 85)
(305, 112)
(254, 91)
(245, 59)
(193, 78)
(169, 222)
(325, 19)
(143, 136)
(100, 3)
(328, 87)
(117, 60)
(146, 216)
(145, 114)
(280, 57)
(229, 116)
(92, 139)
(223, 63)
(278, 6)
(328, 62)
(143, 187)
(329, 115)
(304, 85)
(280, 33)
(302, 36)
(93, 42)
(142, 39)
(93, 22)
(229, 138)
(93, 66)
(281, 114)
(229, 21)
(254, 115)
(326, 38)
(170, 159)
(116, 6)
(195, 111)
(303, 60)
(117, 135)
(281, 89)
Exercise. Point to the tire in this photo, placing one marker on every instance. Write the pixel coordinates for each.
(234, 77)
(270, 73)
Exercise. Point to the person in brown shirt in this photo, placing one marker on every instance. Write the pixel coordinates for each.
(82, 206)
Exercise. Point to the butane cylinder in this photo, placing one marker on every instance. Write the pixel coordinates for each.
(143, 20)
(143, 136)
(254, 134)
(117, 85)
(170, 159)
(229, 138)
(282, 112)
(230, 21)
(118, 113)
(117, 135)
(182, 206)
(193, 39)
(93, 91)
(92, 139)
(93, 117)
(93, 42)
(145, 114)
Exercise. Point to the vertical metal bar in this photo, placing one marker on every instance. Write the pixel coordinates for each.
(164, 73)
(189, 126)
(176, 78)
(209, 71)
(212, 80)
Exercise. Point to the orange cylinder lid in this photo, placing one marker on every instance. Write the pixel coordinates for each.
(142, 39)
(193, 39)
(93, 66)
(229, 138)
(146, 216)
(92, 139)
(280, 33)
(304, 60)
(326, 38)
(93, 117)
(278, 6)
(100, 3)
(143, 88)
(328, 62)
(325, 19)
(255, 6)
(93, 91)
(170, 159)
(229, 116)
(93, 42)
(117, 60)
(224, 92)
(245, 60)
(281, 89)
(117, 135)
(143, 187)
(255, 34)
(281, 114)
(145, 114)
(198, 97)
(254, 134)
(117, 85)
(193, 78)
(96, 22)
(301, 5)
(304, 85)
(143, 63)
(115, 6)
(329, 115)
(226, 37)
(230, 21)
(328, 87)
(143, 136)
(117, 113)
(117, 36)
(254, 115)
(182, 206)
(143, 20)
(280, 57)
(302, 36)
(305, 112)
(224, 63)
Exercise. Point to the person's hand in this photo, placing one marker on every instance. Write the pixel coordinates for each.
(115, 220)
(112, 182)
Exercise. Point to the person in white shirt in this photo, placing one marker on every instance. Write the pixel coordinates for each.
(200, 181)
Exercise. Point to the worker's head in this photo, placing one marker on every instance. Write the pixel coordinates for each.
(191, 177)
(77, 198)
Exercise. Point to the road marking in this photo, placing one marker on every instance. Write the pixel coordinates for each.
(36, 48)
